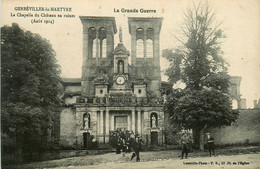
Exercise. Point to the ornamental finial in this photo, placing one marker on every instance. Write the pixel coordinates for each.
(120, 35)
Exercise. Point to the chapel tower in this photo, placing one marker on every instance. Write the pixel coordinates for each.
(98, 45)
(145, 51)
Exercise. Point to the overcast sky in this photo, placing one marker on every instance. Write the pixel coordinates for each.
(241, 22)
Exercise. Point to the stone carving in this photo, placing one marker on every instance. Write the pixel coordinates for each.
(120, 35)
(86, 121)
(154, 122)
(121, 50)
(121, 67)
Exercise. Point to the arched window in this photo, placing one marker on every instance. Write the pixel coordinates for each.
(139, 43)
(86, 121)
(94, 54)
(149, 48)
(140, 48)
(149, 43)
(104, 48)
(92, 42)
(154, 120)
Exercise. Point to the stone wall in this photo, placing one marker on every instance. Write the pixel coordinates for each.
(245, 130)
(67, 127)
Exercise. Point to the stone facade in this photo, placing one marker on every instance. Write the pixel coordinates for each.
(113, 94)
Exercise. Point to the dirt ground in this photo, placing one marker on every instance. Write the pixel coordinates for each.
(155, 159)
(249, 161)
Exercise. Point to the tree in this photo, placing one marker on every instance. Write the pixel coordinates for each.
(198, 63)
(30, 86)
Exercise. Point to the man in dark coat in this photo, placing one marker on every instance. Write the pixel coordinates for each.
(185, 143)
(131, 141)
(137, 146)
(119, 145)
(210, 144)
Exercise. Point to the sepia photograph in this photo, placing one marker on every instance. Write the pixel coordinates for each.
(130, 84)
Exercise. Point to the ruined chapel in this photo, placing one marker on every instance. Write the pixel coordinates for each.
(119, 89)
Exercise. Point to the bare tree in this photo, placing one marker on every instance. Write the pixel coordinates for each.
(199, 64)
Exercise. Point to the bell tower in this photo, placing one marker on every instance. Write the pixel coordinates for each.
(121, 67)
(98, 45)
(145, 51)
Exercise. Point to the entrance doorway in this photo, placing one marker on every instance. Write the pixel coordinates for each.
(154, 137)
(86, 140)
(121, 123)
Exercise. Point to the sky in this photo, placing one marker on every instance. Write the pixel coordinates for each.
(241, 24)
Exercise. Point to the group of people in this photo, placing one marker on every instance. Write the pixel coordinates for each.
(128, 144)
(186, 143)
(134, 143)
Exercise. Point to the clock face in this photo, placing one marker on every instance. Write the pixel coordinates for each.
(120, 80)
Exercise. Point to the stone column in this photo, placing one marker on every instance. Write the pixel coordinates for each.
(97, 46)
(111, 126)
(133, 120)
(110, 43)
(97, 123)
(128, 123)
(133, 49)
(84, 60)
(107, 127)
(156, 58)
(139, 122)
(156, 47)
(100, 47)
(85, 46)
(147, 127)
(145, 52)
(101, 125)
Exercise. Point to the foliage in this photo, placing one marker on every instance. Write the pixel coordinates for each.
(198, 63)
(171, 132)
(195, 109)
(30, 83)
(29, 67)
